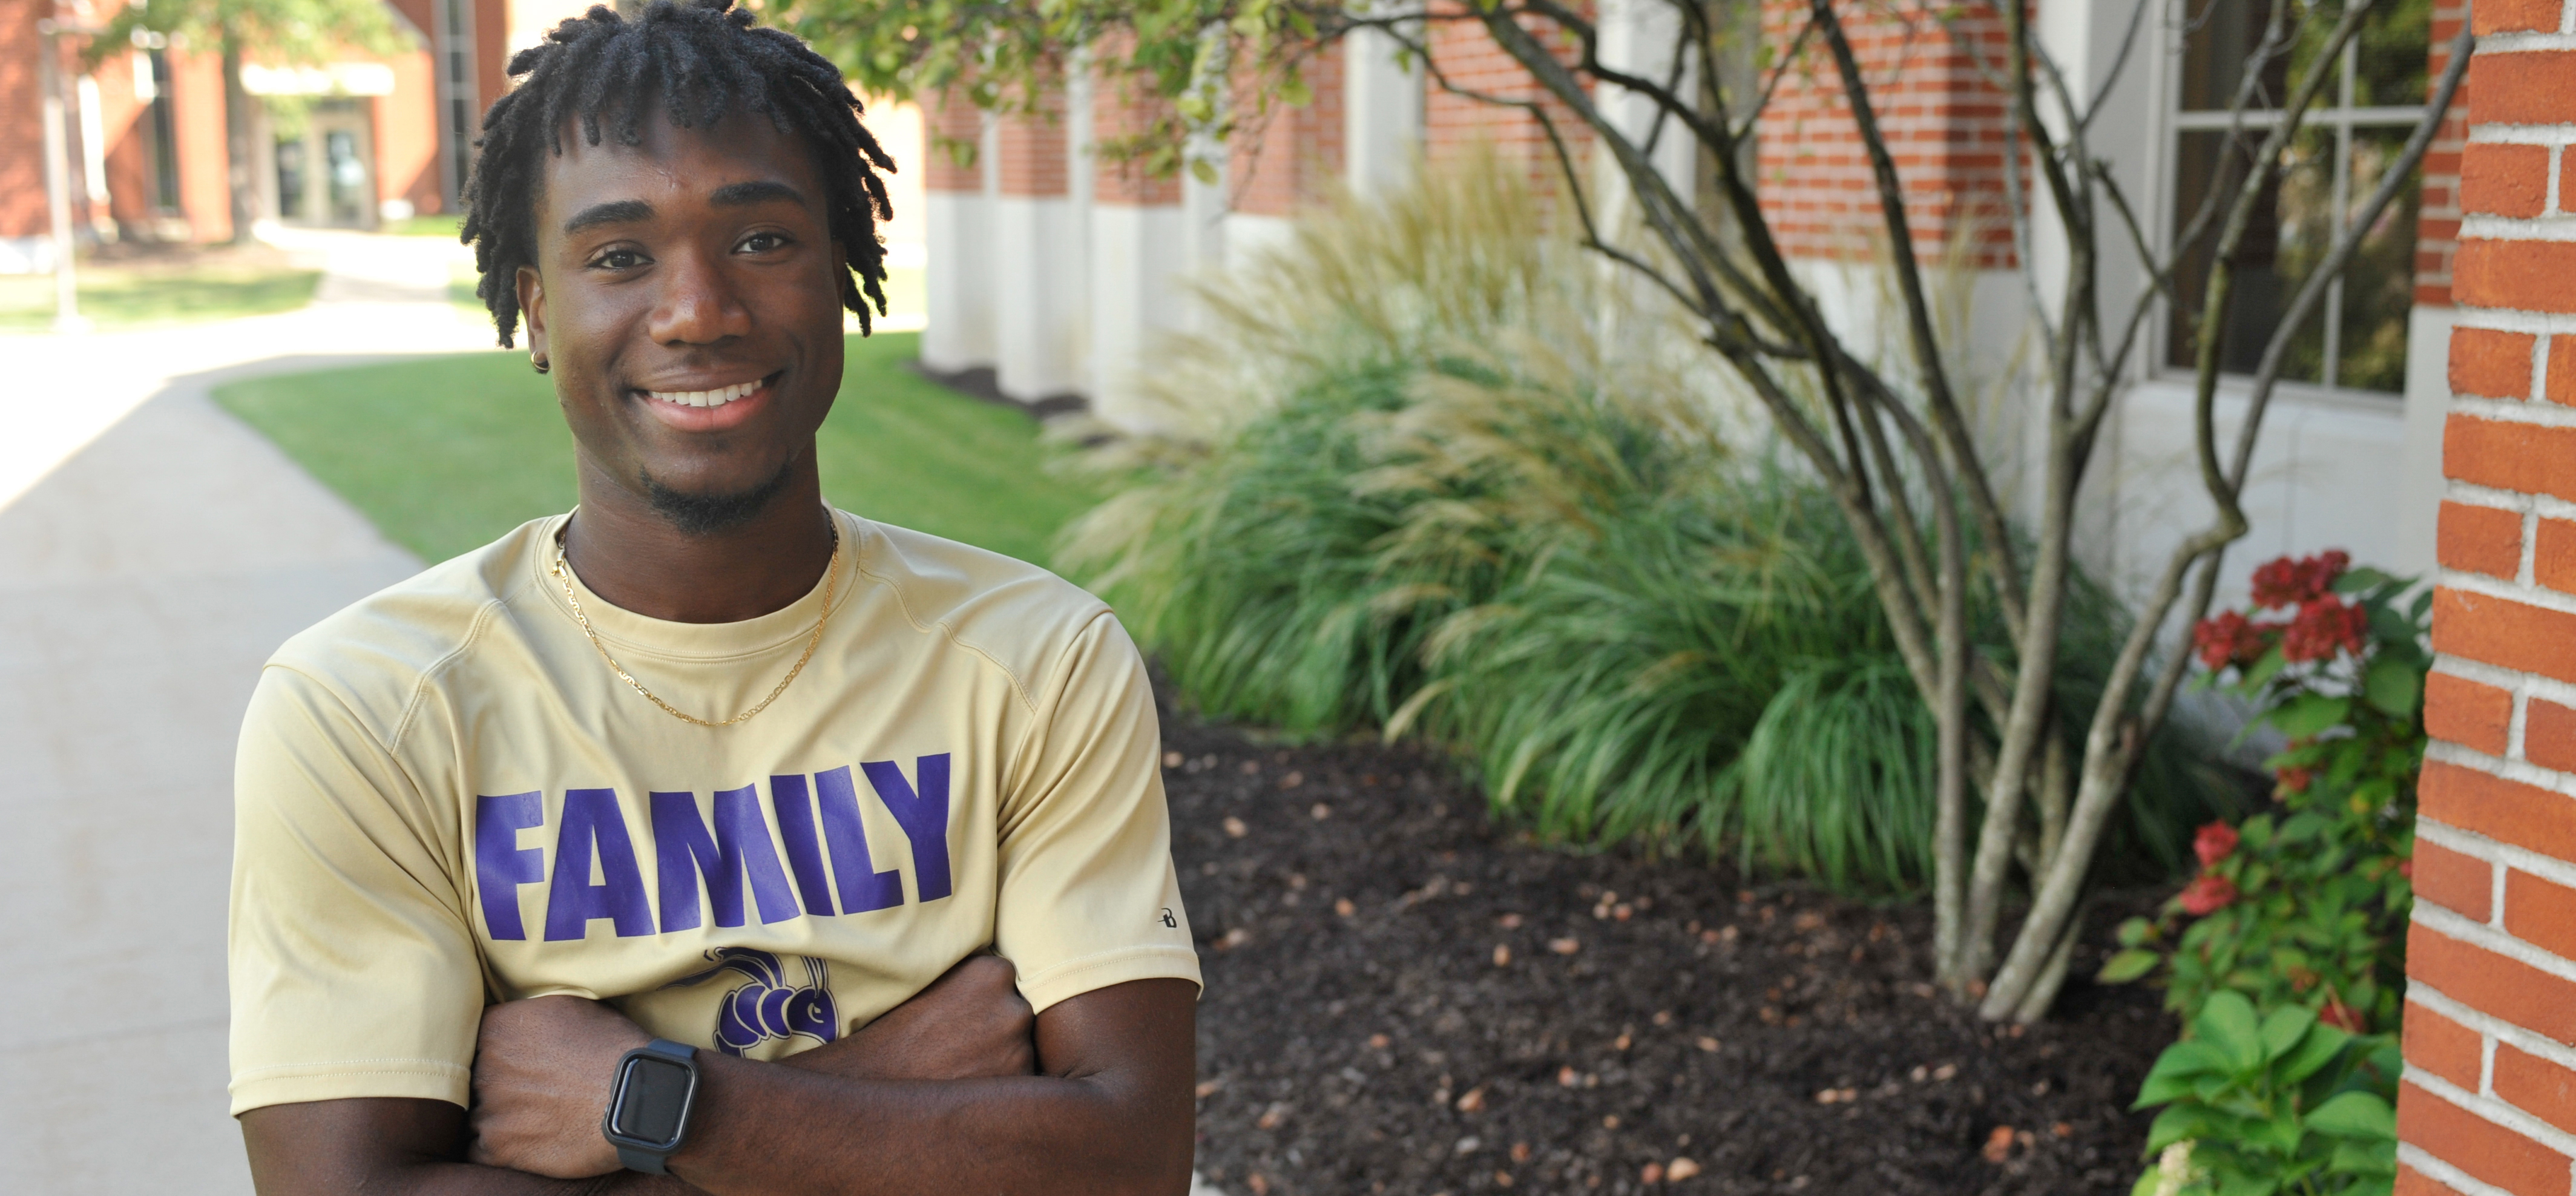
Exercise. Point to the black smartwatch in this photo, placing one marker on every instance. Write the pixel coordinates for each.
(648, 1107)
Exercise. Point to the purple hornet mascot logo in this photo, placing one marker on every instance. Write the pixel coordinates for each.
(767, 1007)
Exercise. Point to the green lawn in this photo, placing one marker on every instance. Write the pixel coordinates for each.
(436, 224)
(445, 454)
(128, 298)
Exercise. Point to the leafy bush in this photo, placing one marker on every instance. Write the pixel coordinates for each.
(1426, 472)
(2277, 1103)
(2300, 913)
(2308, 905)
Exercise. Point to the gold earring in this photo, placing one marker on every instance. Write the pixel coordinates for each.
(539, 364)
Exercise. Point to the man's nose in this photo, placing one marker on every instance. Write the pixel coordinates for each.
(698, 303)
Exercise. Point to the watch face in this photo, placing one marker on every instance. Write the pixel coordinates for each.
(651, 1098)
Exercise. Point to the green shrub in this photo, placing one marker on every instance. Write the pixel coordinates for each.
(1427, 472)
(2271, 1103)
(2298, 913)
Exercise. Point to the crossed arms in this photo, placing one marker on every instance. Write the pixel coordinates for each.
(958, 1089)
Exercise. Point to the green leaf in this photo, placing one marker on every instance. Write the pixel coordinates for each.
(2284, 1029)
(1204, 171)
(2177, 1123)
(2247, 1185)
(2318, 1048)
(2136, 932)
(2261, 673)
(2356, 1115)
(2392, 630)
(2228, 1024)
(2309, 714)
(2172, 1077)
(2367, 1161)
(2361, 578)
(2393, 685)
(2148, 1183)
(2127, 966)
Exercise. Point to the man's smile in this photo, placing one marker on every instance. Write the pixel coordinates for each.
(689, 407)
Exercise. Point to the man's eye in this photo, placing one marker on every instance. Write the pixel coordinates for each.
(618, 259)
(763, 242)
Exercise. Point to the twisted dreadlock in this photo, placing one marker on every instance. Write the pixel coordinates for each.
(699, 62)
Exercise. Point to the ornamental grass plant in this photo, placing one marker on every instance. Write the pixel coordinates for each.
(1427, 470)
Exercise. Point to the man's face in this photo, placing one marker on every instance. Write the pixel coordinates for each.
(686, 293)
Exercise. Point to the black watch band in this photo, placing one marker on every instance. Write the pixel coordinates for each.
(649, 1100)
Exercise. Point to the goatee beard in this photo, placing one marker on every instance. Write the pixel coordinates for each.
(705, 514)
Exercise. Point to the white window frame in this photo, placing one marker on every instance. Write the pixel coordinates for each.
(2171, 122)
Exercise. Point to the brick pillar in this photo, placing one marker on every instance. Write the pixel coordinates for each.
(2437, 225)
(1139, 251)
(1296, 153)
(1288, 161)
(23, 216)
(958, 224)
(1036, 255)
(2489, 1099)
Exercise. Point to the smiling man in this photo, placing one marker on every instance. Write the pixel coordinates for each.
(705, 838)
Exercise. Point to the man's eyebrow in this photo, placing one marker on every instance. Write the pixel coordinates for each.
(734, 195)
(621, 211)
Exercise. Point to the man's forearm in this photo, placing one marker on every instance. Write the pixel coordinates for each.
(768, 1129)
(1113, 1115)
(401, 1147)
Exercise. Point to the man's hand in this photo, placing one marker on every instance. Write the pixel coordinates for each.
(970, 1024)
(542, 1072)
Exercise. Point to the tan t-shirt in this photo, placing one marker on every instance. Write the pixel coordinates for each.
(444, 798)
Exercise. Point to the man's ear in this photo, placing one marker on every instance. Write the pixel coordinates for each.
(532, 307)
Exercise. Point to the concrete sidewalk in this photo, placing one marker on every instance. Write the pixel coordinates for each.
(153, 551)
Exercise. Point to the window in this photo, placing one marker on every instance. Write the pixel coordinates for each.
(154, 73)
(2353, 133)
(456, 86)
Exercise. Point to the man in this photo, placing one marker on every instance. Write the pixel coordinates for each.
(798, 852)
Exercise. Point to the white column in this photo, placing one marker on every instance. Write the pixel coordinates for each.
(1381, 114)
(2420, 484)
(1036, 260)
(958, 230)
(1139, 255)
(1640, 37)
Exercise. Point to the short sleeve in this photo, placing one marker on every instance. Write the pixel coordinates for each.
(354, 971)
(1088, 895)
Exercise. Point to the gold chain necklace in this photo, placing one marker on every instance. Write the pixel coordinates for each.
(831, 578)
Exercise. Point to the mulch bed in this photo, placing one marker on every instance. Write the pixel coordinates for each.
(1404, 998)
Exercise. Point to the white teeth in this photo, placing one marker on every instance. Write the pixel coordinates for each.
(706, 398)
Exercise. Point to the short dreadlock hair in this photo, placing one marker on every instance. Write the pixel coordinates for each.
(699, 62)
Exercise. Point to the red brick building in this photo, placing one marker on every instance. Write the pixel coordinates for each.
(364, 137)
(1020, 247)
(2396, 434)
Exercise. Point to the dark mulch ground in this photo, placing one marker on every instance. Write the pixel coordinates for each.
(1364, 1030)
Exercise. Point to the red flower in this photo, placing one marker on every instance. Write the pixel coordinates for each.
(2215, 842)
(2324, 627)
(2294, 779)
(2229, 638)
(2207, 894)
(2342, 1017)
(2287, 582)
(2406, 868)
